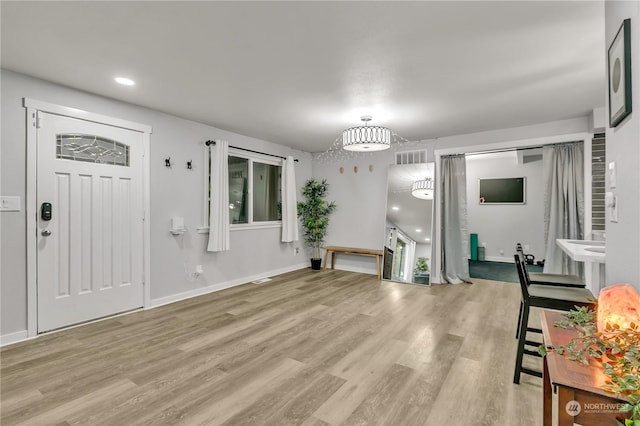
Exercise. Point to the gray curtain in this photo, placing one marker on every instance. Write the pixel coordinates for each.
(454, 233)
(563, 171)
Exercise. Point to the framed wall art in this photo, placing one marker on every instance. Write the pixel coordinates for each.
(620, 75)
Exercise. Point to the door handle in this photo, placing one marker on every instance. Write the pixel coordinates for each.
(45, 233)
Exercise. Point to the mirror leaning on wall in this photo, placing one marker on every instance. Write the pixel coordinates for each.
(407, 244)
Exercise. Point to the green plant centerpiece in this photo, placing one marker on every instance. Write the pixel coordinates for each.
(616, 348)
(314, 214)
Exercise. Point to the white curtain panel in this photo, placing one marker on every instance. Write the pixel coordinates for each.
(219, 235)
(289, 201)
(454, 232)
(563, 171)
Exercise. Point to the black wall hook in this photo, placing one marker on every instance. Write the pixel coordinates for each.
(189, 164)
(167, 162)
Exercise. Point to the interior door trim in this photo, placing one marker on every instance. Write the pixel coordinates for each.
(509, 143)
(32, 107)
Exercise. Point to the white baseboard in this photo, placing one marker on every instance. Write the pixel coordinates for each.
(221, 286)
(357, 269)
(18, 336)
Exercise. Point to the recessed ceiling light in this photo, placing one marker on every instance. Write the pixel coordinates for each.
(395, 208)
(427, 239)
(418, 230)
(124, 81)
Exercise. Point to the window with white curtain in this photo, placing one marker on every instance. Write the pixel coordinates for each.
(255, 194)
(267, 194)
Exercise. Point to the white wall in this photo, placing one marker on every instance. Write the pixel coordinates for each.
(174, 192)
(501, 226)
(360, 216)
(623, 147)
(423, 250)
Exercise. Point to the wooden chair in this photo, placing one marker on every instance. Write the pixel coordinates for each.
(559, 280)
(565, 280)
(541, 296)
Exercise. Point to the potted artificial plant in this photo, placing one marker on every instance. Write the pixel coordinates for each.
(314, 213)
(421, 272)
(421, 266)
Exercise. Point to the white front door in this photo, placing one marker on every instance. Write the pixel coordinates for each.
(90, 248)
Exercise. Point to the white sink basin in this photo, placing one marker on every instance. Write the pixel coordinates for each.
(595, 249)
(587, 242)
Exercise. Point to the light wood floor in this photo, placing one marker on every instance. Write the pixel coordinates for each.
(311, 348)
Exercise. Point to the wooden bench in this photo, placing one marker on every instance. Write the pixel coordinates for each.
(350, 250)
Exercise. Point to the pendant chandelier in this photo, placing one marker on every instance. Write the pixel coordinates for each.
(366, 138)
(423, 189)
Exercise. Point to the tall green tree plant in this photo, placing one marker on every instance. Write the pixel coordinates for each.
(314, 213)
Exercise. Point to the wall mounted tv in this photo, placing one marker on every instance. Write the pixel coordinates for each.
(502, 190)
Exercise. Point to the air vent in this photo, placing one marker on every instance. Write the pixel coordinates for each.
(411, 157)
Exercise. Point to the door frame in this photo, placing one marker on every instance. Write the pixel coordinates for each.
(32, 107)
(436, 238)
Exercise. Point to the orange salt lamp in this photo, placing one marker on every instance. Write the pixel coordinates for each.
(618, 304)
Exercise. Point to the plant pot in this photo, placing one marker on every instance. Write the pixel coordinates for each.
(315, 264)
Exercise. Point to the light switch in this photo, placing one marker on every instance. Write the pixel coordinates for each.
(612, 174)
(611, 202)
(9, 204)
(609, 199)
(613, 213)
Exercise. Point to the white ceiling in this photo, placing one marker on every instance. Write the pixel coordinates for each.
(298, 73)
